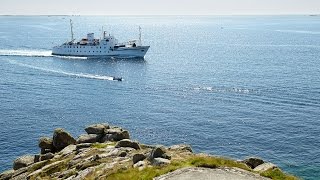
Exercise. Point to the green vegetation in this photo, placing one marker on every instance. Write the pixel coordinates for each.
(277, 174)
(214, 162)
(193, 161)
(102, 145)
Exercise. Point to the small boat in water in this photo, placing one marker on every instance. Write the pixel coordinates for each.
(107, 46)
(117, 78)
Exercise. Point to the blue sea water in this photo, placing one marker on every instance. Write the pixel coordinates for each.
(234, 86)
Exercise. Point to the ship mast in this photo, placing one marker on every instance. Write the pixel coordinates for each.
(71, 27)
(140, 36)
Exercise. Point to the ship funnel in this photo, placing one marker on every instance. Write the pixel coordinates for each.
(90, 37)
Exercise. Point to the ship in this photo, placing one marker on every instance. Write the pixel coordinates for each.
(106, 46)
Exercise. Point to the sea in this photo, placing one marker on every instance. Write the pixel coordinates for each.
(234, 86)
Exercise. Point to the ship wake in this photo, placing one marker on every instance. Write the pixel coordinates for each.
(70, 74)
(33, 53)
(25, 53)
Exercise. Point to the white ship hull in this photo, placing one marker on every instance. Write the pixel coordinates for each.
(99, 51)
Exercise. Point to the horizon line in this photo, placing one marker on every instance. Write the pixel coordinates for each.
(253, 14)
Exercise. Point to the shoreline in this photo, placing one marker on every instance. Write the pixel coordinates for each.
(106, 152)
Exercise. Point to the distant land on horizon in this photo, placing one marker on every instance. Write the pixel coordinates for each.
(306, 14)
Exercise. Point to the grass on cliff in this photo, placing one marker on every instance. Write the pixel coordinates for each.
(102, 145)
(193, 161)
(277, 174)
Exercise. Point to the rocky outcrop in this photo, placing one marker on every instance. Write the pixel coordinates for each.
(23, 161)
(115, 134)
(225, 173)
(97, 128)
(106, 150)
(183, 147)
(138, 157)
(46, 156)
(45, 143)
(265, 167)
(128, 143)
(160, 161)
(88, 138)
(62, 139)
(253, 162)
(159, 152)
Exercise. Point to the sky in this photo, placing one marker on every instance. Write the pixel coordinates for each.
(158, 7)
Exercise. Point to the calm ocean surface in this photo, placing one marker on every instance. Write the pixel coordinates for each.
(228, 85)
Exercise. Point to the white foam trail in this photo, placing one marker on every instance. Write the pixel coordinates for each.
(212, 89)
(26, 52)
(299, 31)
(34, 53)
(77, 75)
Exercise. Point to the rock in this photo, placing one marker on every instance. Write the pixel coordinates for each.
(71, 177)
(123, 154)
(45, 151)
(264, 167)
(160, 161)
(253, 162)
(19, 172)
(23, 161)
(97, 128)
(138, 157)
(22, 176)
(6, 174)
(68, 150)
(67, 173)
(128, 143)
(50, 168)
(115, 134)
(200, 173)
(113, 152)
(139, 164)
(83, 146)
(36, 158)
(45, 143)
(120, 136)
(88, 138)
(105, 138)
(182, 147)
(46, 156)
(159, 151)
(84, 174)
(62, 139)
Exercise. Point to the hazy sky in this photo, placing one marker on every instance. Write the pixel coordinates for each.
(159, 7)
